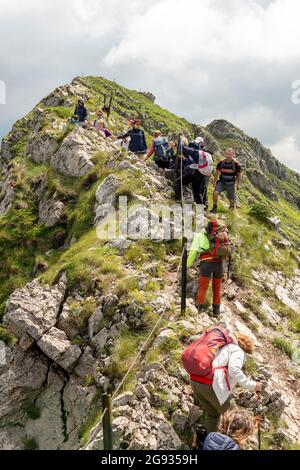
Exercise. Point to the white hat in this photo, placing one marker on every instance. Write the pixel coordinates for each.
(199, 140)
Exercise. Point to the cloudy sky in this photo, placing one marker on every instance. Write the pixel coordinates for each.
(203, 59)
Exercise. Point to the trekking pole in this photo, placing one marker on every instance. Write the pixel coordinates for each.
(110, 106)
(259, 422)
(107, 422)
(184, 278)
(229, 267)
(178, 154)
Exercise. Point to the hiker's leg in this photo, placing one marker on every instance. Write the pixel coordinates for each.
(196, 186)
(206, 398)
(231, 194)
(204, 280)
(217, 287)
(218, 190)
(202, 289)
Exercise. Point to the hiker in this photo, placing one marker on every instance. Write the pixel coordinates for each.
(100, 125)
(235, 429)
(197, 165)
(198, 144)
(215, 364)
(162, 149)
(137, 143)
(211, 248)
(81, 114)
(230, 173)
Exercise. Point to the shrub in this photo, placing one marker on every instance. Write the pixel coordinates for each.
(284, 346)
(260, 212)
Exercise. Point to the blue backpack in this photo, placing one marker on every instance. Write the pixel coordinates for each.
(162, 149)
(217, 441)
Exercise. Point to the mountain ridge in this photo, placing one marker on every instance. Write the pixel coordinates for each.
(106, 296)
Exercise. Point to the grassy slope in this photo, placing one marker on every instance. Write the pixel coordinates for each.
(24, 245)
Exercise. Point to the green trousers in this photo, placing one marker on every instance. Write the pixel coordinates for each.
(206, 398)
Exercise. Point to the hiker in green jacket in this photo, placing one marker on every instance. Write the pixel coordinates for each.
(211, 248)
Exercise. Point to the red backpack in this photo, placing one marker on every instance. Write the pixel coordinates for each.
(220, 245)
(198, 357)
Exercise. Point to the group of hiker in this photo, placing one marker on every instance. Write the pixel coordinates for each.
(215, 361)
(80, 118)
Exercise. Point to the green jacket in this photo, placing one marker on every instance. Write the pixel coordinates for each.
(200, 245)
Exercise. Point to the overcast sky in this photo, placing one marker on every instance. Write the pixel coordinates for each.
(203, 59)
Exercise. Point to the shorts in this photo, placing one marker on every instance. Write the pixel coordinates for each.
(229, 188)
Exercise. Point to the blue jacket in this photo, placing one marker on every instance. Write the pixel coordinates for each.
(137, 140)
(217, 441)
(82, 112)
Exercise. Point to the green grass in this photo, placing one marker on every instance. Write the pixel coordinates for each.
(284, 346)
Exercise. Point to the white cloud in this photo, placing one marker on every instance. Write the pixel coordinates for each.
(288, 152)
(203, 59)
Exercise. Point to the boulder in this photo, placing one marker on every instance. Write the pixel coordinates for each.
(56, 346)
(34, 309)
(105, 197)
(274, 222)
(74, 156)
(51, 211)
(41, 147)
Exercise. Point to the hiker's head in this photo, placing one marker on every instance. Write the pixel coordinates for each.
(238, 425)
(229, 154)
(172, 144)
(81, 102)
(137, 123)
(100, 114)
(157, 134)
(245, 343)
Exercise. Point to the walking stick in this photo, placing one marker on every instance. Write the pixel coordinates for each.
(259, 422)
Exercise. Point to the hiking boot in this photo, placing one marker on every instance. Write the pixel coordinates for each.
(214, 210)
(200, 308)
(216, 310)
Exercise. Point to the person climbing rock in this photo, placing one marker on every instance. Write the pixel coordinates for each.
(235, 429)
(197, 165)
(228, 178)
(215, 365)
(200, 145)
(137, 143)
(211, 248)
(162, 149)
(80, 113)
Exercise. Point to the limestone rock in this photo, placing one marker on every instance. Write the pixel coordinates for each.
(95, 322)
(41, 147)
(51, 212)
(105, 196)
(260, 181)
(74, 156)
(7, 192)
(34, 309)
(57, 347)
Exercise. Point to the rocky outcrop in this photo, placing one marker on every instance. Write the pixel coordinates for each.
(105, 197)
(74, 155)
(7, 192)
(41, 147)
(260, 181)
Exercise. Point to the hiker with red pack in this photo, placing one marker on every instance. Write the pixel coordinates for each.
(214, 364)
(211, 249)
(228, 178)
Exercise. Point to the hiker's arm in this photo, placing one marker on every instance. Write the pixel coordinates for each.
(235, 366)
(195, 250)
(150, 153)
(125, 136)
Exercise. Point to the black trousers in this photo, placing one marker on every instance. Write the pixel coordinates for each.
(198, 182)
